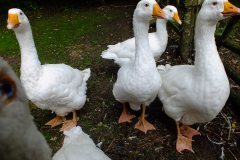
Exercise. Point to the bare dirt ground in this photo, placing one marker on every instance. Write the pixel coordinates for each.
(99, 116)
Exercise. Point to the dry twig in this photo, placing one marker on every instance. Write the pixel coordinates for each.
(232, 154)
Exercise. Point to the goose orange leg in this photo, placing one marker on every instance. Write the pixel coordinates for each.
(188, 131)
(67, 125)
(55, 121)
(125, 116)
(142, 124)
(183, 142)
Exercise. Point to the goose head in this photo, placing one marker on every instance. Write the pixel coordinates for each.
(17, 20)
(171, 14)
(148, 9)
(215, 10)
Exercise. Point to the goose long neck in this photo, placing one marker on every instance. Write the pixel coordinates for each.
(143, 52)
(207, 57)
(29, 57)
(161, 25)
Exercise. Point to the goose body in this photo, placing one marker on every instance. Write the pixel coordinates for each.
(139, 82)
(79, 146)
(56, 87)
(191, 102)
(71, 94)
(124, 52)
(197, 93)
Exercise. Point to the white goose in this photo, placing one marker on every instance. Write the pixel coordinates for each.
(56, 87)
(197, 93)
(78, 145)
(124, 52)
(139, 82)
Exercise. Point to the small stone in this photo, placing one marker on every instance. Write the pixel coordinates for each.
(53, 139)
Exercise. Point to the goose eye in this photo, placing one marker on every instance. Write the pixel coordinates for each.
(146, 5)
(171, 10)
(7, 88)
(21, 13)
(214, 3)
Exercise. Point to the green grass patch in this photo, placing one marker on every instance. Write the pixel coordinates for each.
(54, 32)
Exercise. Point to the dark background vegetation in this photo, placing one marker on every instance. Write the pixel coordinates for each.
(34, 4)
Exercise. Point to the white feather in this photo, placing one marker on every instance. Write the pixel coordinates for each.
(197, 93)
(56, 87)
(79, 146)
(138, 82)
(124, 52)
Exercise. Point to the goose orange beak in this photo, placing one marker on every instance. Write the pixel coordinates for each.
(176, 18)
(158, 12)
(230, 10)
(13, 21)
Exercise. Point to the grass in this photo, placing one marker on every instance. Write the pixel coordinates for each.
(54, 33)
